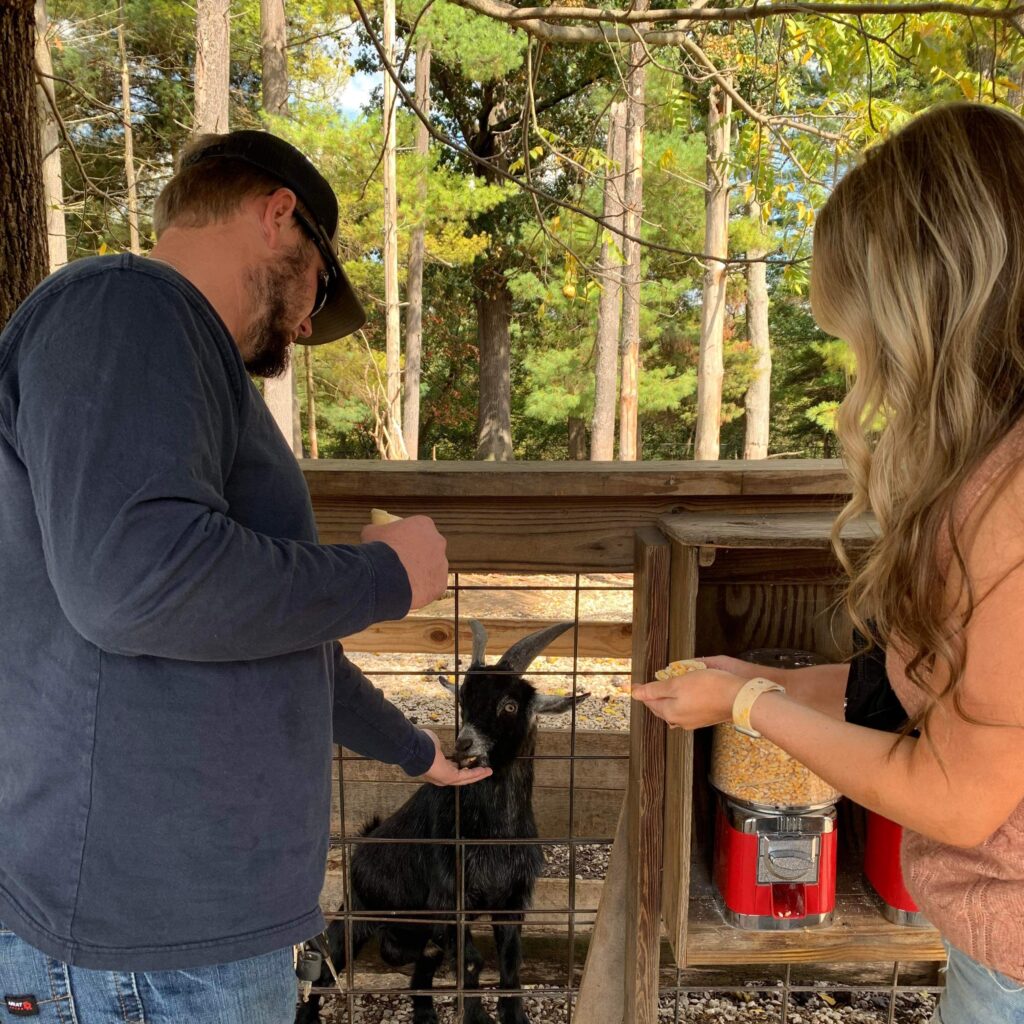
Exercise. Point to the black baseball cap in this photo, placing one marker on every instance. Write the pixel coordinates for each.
(342, 313)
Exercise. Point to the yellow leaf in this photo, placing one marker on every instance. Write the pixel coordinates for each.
(103, 249)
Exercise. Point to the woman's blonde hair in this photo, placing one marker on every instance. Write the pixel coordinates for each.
(919, 266)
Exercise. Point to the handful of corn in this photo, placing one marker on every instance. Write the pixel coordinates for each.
(679, 668)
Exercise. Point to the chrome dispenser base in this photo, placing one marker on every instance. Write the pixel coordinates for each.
(763, 923)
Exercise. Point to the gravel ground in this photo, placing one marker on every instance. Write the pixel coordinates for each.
(691, 1008)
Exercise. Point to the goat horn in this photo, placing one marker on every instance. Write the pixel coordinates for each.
(479, 641)
(519, 657)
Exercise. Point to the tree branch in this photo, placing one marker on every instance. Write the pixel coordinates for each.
(620, 26)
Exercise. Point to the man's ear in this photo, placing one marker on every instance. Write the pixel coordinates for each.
(275, 213)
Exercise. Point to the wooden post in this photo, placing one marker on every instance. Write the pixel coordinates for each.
(601, 994)
(679, 753)
(645, 793)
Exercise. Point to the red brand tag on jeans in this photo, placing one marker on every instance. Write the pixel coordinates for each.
(22, 1006)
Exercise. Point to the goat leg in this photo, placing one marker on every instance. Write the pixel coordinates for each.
(427, 964)
(472, 962)
(508, 939)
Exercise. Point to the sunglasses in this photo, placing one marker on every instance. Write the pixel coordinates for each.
(323, 277)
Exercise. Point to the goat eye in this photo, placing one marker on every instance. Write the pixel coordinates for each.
(510, 707)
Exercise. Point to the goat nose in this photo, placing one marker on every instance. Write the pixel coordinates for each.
(463, 743)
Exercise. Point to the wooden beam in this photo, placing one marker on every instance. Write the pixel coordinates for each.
(683, 581)
(601, 998)
(645, 794)
(437, 636)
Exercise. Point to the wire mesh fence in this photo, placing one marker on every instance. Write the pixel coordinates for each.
(575, 841)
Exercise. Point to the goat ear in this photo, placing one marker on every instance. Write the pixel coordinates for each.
(450, 687)
(548, 704)
(519, 657)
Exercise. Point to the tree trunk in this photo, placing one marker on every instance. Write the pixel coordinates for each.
(314, 447)
(22, 202)
(710, 370)
(274, 46)
(636, 89)
(494, 420)
(414, 288)
(577, 438)
(392, 325)
(129, 142)
(213, 49)
(609, 311)
(759, 391)
(49, 140)
(279, 392)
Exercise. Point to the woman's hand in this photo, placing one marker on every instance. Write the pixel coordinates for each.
(746, 670)
(703, 697)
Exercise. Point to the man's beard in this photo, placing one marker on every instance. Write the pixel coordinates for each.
(269, 336)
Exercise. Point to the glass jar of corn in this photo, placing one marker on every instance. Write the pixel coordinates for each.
(758, 772)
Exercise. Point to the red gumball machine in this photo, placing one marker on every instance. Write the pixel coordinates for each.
(885, 873)
(775, 827)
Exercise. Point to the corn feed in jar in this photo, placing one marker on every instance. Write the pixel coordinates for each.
(758, 772)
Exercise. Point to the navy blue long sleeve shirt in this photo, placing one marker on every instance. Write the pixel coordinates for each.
(170, 678)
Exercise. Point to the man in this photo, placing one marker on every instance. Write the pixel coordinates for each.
(170, 681)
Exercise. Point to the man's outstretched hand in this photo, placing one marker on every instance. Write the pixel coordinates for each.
(447, 773)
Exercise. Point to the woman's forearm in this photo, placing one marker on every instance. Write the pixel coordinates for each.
(822, 687)
(862, 764)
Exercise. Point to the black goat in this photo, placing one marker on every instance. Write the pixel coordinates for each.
(499, 728)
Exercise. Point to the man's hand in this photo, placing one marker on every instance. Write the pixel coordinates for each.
(447, 773)
(421, 550)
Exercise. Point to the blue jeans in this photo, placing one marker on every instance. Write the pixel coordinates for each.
(975, 994)
(260, 990)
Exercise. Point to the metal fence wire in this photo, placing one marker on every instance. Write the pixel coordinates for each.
(552, 968)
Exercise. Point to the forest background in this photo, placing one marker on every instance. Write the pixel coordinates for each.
(599, 249)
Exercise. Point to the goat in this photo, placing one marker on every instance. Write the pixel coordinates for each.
(418, 881)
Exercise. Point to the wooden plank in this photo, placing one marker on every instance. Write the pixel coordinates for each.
(859, 934)
(601, 998)
(543, 534)
(548, 914)
(330, 478)
(791, 530)
(646, 793)
(602, 760)
(683, 582)
(437, 636)
(737, 618)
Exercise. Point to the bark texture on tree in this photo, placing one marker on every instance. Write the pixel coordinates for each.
(213, 55)
(758, 401)
(392, 325)
(129, 141)
(49, 141)
(22, 204)
(279, 392)
(274, 47)
(494, 420)
(414, 288)
(710, 370)
(636, 93)
(609, 310)
(314, 446)
(577, 427)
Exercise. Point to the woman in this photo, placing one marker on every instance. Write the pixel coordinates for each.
(919, 266)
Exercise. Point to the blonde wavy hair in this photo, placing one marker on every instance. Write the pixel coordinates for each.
(919, 266)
